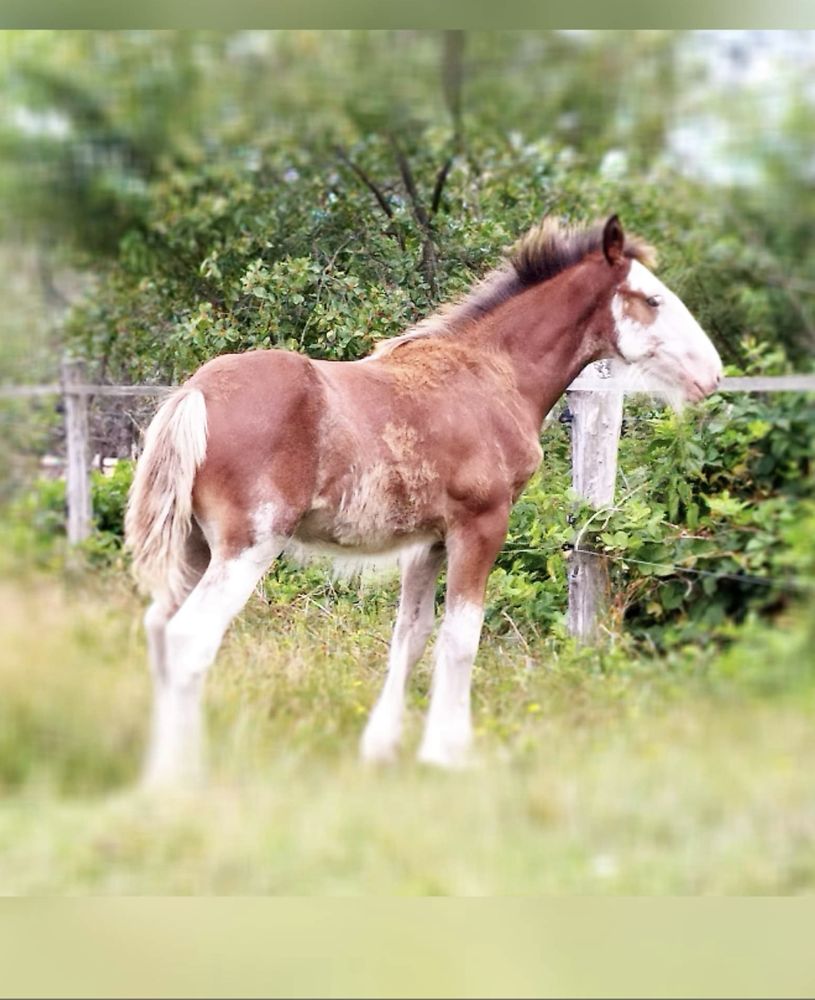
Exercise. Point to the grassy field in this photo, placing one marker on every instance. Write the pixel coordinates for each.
(598, 772)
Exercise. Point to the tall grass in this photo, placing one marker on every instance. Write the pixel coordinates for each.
(598, 771)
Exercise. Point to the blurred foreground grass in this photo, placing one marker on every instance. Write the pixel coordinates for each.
(598, 772)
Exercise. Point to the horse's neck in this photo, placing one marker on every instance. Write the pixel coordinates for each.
(547, 343)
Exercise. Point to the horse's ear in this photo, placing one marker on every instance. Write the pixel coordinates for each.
(613, 240)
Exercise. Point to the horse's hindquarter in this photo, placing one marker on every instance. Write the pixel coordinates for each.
(260, 470)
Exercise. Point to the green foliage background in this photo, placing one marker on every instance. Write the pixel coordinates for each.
(317, 192)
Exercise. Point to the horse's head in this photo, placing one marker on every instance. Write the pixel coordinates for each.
(662, 346)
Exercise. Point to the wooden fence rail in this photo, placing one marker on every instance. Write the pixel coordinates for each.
(595, 403)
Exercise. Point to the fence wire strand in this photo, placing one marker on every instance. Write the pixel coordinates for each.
(791, 586)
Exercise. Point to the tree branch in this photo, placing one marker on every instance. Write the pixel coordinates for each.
(441, 178)
(429, 261)
(366, 180)
(382, 201)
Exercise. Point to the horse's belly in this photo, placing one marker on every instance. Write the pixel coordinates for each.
(347, 560)
(374, 509)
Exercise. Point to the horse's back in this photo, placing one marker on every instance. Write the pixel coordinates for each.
(255, 372)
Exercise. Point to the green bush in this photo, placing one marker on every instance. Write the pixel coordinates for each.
(109, 495)
(33, 527)
(712, 520)
(294, 251)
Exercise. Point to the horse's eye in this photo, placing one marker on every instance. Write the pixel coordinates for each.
(653, 301)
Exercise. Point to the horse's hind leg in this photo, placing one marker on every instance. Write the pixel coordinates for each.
(414, 623)
(197, 557)
(191, 641)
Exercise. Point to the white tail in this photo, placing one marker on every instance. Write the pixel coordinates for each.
(159, 511)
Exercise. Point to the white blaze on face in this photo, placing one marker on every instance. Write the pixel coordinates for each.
(658, 337)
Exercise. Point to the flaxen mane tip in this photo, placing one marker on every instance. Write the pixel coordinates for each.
(551, 246)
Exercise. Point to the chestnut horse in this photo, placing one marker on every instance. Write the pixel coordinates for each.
(418, 451)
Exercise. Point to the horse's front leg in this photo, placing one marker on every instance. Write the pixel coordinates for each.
(471, 550)
(414, 623)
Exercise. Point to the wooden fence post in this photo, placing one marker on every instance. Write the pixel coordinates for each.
(596, 422)
(77, 477)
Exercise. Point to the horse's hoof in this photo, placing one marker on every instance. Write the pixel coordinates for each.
(446, 758)
(375, 750)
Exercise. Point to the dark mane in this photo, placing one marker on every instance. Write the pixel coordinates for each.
(550, 248)
(544, 251)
